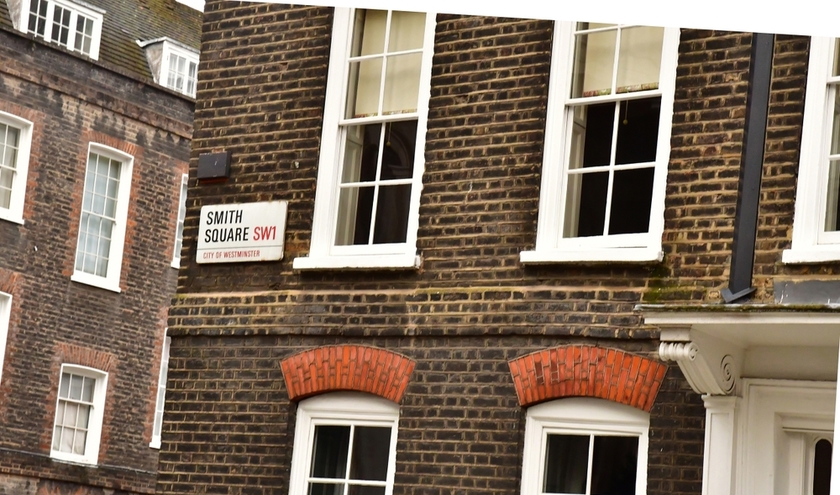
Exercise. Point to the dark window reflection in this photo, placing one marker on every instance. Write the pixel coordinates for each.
(566, 462)
(614, 464)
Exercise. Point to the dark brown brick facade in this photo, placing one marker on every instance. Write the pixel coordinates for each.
(471, 307)
(54, 321)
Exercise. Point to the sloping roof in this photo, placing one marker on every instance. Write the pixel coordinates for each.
(126, 21)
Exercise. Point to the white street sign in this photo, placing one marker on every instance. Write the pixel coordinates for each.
(241, 232)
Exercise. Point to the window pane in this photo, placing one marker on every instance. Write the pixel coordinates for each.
(173, 71)
(402, 73)
(638, 130)
(37, 17)
(98, 211)
(6, 177)
(363, 90)
(76, 387)
(836, 64)
(566, 460)
(329, 458)
(87, 394)
(190, 89)
(369, 32)
(83, 417)
(614, 465)
(366, 490)
(822, 467)
(366, 76)
(67, 435)
(9, 137)
(371, 446)
(586, 199)
(594, 62)
(71, 410)
(631, 198)
(79, 442)
(597, 127)
(56, 443)
(392, 214)
(402, 83)
(399, 149)
(61, 25)
(362, 163)
(406, 31)
(64, 385)
(355, 206)
(326, 489)
(832, 212)
(84, 34)
(361, 153)
(639, 59)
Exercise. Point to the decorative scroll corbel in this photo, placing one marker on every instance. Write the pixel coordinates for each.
(711, 366)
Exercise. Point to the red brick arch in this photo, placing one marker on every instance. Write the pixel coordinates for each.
(587, 371)
(347, 367)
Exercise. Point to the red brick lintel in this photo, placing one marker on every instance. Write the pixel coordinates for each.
(587, 371)
(347, 367)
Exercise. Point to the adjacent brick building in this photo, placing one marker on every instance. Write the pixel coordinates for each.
(95, 128)
(507, 260)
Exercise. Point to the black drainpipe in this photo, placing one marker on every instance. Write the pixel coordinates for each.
(752, 159)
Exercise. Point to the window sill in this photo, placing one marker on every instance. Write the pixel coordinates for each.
(73, 459)
(5, 215)
(363, 262)
(812, 254)
(603, 255)
(102, 283)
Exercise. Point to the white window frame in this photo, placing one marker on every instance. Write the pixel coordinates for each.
(171, 50)
(810, 243)
(551, 246)
(179, 227)
(94, 433)
(5, 317)
(96, 14)
(339, 408)
(580, 416)
(14, 213)
(112, 279)
(324, 254)
(160, 397)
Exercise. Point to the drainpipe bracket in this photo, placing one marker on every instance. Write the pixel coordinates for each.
(729, 297)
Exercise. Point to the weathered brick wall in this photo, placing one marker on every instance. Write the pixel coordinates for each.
(469, 308)
(230, 424)
(778, 193)
(707, 138)
(72, 102)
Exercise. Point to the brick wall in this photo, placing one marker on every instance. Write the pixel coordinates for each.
(72, 102)
(462, 316)
(230, 423)
(708, 130)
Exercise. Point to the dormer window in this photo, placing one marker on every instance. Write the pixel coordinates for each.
(180, 69)
(74, 26)
(173, 64)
